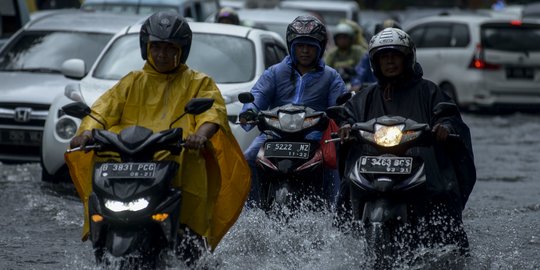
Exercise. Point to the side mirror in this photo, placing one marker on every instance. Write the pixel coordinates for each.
(73, 68)
(336, 113)
(343, 98)
(77, 109)
(198, 105)
(246, 97)
(443, 109)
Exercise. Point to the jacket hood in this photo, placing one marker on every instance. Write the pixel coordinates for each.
(31, 87)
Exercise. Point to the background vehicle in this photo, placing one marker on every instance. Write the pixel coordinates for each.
(199, 10)
(234, 56)
(30, 65)
(481, 61)
(13, 15)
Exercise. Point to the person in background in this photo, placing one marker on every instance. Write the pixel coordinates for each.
(346, 55)
(363, 73)
(153, 98)
(227, 15)
(301, 78)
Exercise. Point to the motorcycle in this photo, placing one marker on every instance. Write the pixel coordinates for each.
(290, 163)
(133, 209)
(386, 176)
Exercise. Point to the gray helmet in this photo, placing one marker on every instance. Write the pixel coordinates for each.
(392, 39)
(343, 29)
(166, 26)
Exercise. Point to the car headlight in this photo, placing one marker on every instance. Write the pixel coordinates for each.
(117, 206)
(388, 136)
(66, 128)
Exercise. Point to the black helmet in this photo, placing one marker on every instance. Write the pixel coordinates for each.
(227, 13)
(166, 26)
(307, 26)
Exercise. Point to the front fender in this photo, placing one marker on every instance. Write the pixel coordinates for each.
(383, 211)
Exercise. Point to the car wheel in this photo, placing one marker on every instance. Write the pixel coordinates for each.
(61, 176)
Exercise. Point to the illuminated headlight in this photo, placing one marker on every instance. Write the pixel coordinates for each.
(117, 206)
(291, 122)
(66, 128)
(388, 136)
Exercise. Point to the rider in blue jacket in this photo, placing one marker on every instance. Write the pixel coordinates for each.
(301, 78)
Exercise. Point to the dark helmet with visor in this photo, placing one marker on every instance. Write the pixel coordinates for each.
(227, 13)
(309, 27)
(391, 39)
(166, 26)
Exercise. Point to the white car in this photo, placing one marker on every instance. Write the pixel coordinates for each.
(234, 56)
(30, 77)
(482, 61)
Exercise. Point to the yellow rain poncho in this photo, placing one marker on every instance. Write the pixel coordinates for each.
(215, 182)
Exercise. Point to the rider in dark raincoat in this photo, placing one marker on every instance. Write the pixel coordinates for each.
(450, 167)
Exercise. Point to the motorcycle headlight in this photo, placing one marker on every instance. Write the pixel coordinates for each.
(291, 122)
(311, 121)
(117, 206)
(388, 136)
(272, 121)
(66, 128)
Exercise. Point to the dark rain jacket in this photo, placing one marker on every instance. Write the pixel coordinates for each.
(450, 168)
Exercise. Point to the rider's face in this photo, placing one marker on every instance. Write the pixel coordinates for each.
(306, 54)
(165, 55)
(392, 63)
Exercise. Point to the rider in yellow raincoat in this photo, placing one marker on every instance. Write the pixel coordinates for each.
(213, 175)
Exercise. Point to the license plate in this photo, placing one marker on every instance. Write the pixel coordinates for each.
(20, 137)
(286, 149)
(386, 165)
(128, 170)
(520, 73)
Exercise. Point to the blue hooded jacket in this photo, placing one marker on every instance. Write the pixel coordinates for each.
(317, 89)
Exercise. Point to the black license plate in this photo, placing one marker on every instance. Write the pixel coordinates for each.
(128, 170)
(520, 73)
(287, 149)
(20, 137)
(386, 165)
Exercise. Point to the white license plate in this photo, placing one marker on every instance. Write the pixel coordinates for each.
(287, 149)
(128, 170)
(386, 165)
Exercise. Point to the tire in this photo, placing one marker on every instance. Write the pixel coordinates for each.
(380, 245)
(61, 176)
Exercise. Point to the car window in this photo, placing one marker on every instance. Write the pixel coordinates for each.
(281, 52)
(226, 59)
(460, 35)
(437, 36)
(46, 51)
(417, 35)
(270, 57)
(507, 37)
(128, 8)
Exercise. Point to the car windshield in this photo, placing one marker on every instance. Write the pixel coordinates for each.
(46, 51)
(133, 8)
(226, 59)
(525, 38)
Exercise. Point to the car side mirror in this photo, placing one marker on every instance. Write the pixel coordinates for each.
(73, 68)
(198, 105)
(443, 109)
(77, 109)
(246, 97)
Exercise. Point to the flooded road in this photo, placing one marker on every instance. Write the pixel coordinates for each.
(40, 223)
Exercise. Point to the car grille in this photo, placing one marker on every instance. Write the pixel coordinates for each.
(21, 130)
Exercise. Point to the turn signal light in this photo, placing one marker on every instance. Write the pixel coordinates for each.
(160, 217)
(97, 218)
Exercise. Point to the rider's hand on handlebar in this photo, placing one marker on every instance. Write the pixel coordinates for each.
(81, 140)
(195, 141)
(344, 132)
(441, 132)
(247, 116)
